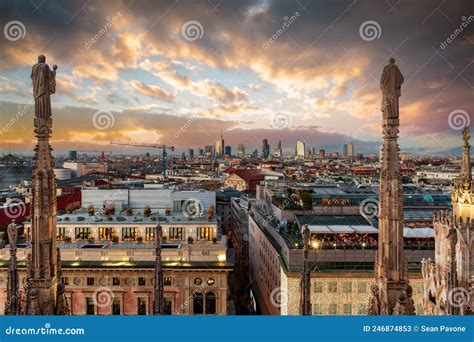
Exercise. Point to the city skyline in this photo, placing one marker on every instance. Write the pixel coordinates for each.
(183, 76)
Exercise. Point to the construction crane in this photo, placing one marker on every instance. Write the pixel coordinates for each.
(162, 146)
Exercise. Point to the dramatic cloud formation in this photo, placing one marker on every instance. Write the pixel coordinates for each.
(235, 66)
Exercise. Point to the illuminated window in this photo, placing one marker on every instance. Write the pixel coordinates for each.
(150, 234)
(204, 233)
(106, 233)
(176, 233)
(82, 232)
(60, 233)
(129, 233)
(210, 281)
(197, 281)
(167, 281)
(65, 281)
(141, 281)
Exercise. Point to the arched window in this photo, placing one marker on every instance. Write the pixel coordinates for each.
(211, 303)
(198, 304)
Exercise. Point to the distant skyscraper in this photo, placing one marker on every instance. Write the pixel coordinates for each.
(278, 150)
(322, 154)
(241, 151)
(265, 149)
(72, 155)
(344, 150)
(220, 146)
(300, 149)
(350, 150)
(209, 150)
(228, 151)
(191, 153)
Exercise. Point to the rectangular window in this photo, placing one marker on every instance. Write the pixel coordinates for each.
(332, 309)
(362, 287)
(318, 309)
(116, 281)
(318, 287)
(141, 281)
(204, 233)
(168, 307)
(82, 233)
(65, 281)
(106, 233)
(347, 287)
(167, 281)
(362, 309)
(116, 307)
(129, 233)
(177, 233)
(90, 281)
(347, 309)
(150, 234)
(60, 233)
(90, 306)
(141, 306)
(332, 287)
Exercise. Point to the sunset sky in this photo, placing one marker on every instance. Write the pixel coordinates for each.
(134, 64)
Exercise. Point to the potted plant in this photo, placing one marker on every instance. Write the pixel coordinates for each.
(90, 210)
(129, 212)
(115, 239)
(190, 240)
